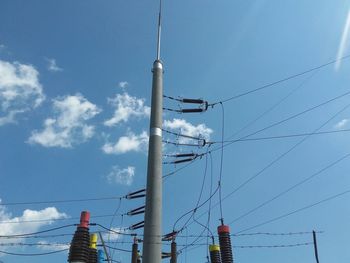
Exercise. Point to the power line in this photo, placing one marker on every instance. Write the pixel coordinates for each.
(53, 220)
(273, 106)
(33, 254)
(292, 187)
(38, 232)
(281, 80)
(61, 201)
(295, 211)
(293, 135)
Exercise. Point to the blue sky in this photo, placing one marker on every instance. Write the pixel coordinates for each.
(75, 86)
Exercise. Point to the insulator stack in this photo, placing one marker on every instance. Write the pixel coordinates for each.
(100, 256)
(80, 245)
(93, 249)
(214, 251)
(173, 258)
(134, 251)
(225, 244)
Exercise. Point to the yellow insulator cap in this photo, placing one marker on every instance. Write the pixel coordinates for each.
(214, 248)
(93, 241)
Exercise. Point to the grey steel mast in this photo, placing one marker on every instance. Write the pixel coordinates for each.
(153, 213)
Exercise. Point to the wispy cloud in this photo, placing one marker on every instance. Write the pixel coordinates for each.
(123, 84)
(52, 65)
(129, 143)
(45, 245)
(183, 127)
(113, 236)
(69, 124)
(121, 176)
(126, 107)
(20, 90)
(343, 42)
(341, 124)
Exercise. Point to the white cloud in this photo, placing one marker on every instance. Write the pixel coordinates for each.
(341, 124)
(52, 65)
(20, 90)
(121, 176)
(44, 245)
(17, 225)
(343, 42)
(11, 225)
(126, 107)
(128, 143)
(183, 127)
(123, 84)
(68, 126)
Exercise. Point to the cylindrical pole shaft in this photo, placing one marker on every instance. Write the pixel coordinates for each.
(315, 246)
(173, 258)
(134, 253)
(153, 212)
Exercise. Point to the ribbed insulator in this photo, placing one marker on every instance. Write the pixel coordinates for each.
(225, 244)
(214, 251)
(92, 255)
(79, 248)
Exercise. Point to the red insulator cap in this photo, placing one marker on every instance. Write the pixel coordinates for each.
(223, 229)
(84, 219)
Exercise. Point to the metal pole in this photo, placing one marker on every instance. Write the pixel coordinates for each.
(135, 252)
(315, 246)
(173, 258)
(104, 248)
(153, 213)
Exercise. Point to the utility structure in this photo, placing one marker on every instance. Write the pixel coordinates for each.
(80, 245)
(153, 212)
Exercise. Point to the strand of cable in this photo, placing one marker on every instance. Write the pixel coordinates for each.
(198, 200)
(295, 211)
(112, 220)
(274, 106)
(293, 135)
(62, 201)
(70, 201)
(281, 80)
(33, 254)
(178, 236)
(292, 187)
(38, 232)
(268, 246)
(221, 161)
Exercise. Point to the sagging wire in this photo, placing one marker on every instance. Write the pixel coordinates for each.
(38, 232)
(270, 109)
(281, 80)
(112, 220)
(221, 161)
(194, 210)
